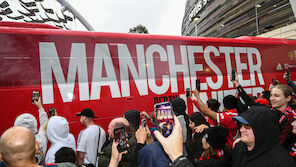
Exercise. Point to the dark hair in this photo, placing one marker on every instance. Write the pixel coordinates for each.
(198, 119)
(230, 102)
(216, 137)
(133, 118)
(65, 154)
(213, 104)
(253, 97)
(266, 94)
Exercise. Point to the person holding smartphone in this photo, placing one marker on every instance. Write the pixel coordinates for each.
(290, 83)
(230, 103)
(29, 121)
(105, 154)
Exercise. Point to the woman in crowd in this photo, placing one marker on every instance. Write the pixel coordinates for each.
(216, 153)
(194, 147)
(282, 106)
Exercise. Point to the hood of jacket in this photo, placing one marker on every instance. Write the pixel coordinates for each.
(66, 164)
(27, 120)
(265, 127)
(57, 129)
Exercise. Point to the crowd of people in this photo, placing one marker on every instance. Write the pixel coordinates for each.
(248, 132)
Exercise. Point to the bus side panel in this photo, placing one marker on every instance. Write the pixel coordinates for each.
(112, 75)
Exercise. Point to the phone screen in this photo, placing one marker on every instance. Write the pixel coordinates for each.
(165, 118)
(120, 136)
(35, 96)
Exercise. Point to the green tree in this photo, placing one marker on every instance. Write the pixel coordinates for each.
(139, 29)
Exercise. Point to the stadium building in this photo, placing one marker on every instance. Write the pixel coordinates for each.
(234, 18)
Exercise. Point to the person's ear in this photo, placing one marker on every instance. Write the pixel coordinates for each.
(37, 147)
(1, 157)
(288, 98)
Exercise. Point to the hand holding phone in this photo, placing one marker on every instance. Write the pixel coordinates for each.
(120, 136)
(35, 96)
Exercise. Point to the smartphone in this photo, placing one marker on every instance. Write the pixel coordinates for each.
(197, 84)
(144, 122)
(51, 112)
(120, 136)
(35, 96)
(165, 118)
(233, 74)
(238, 135)
(187, 92)
(288, 73)
(273, 82)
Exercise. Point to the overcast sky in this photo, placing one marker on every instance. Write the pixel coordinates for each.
(159, 16)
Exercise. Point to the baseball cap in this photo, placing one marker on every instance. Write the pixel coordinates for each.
(87, 112)
(241, 120)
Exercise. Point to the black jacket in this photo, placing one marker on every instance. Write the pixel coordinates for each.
(223, 161)
(266, 152)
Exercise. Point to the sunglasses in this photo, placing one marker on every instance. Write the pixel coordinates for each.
(246, 126)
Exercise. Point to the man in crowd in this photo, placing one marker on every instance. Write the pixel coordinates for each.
(29, 121)
(90, 140)
(258, 144)
(18, 146)
(105, 154)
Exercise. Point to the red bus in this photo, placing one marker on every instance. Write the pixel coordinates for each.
(115, 72)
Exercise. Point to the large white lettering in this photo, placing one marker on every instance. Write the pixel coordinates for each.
(150, 69)
(102, 54)
(49, 62)
(227, 50)
(174, 68)
(241, 66)
(125, 63)
(218, 84)
(195, 67)
(255, 67)
(131, 68)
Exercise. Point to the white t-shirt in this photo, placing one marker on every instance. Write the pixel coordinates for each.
(88, 142)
